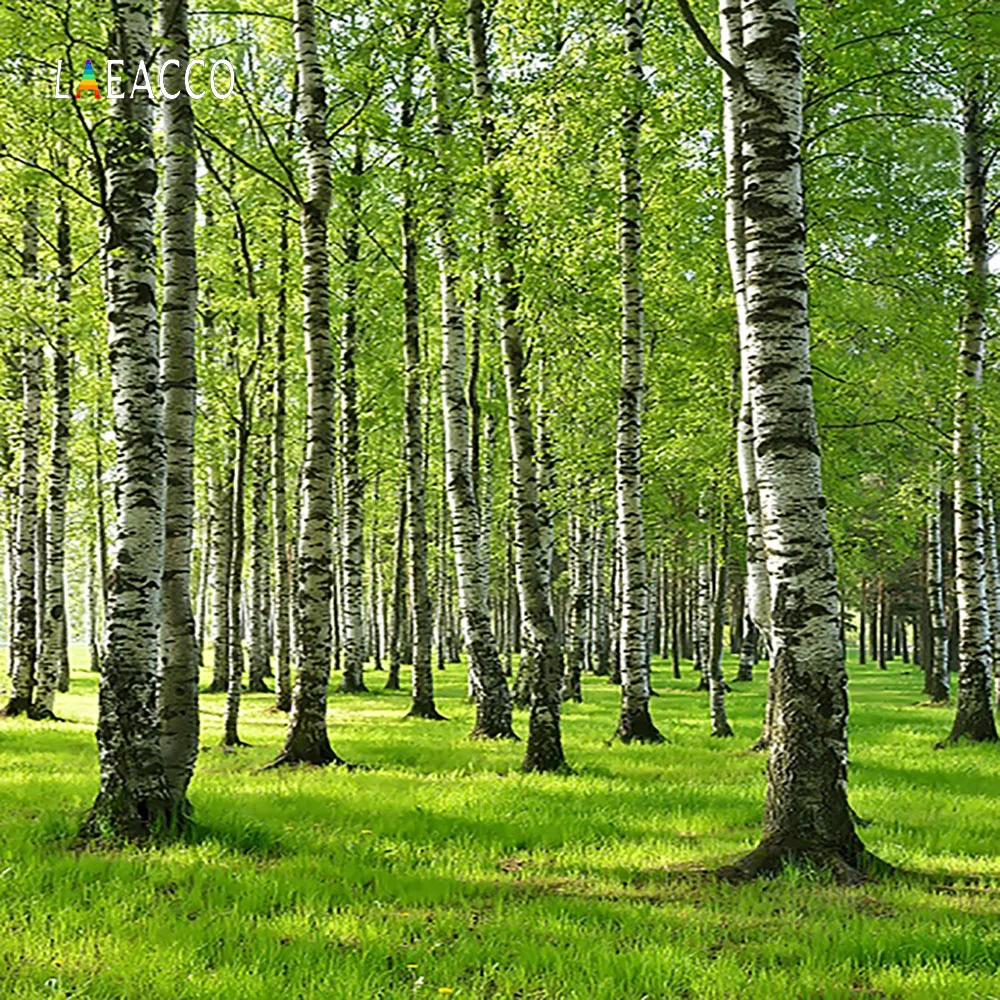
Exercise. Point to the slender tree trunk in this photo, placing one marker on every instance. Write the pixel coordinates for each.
(234, 687)
(307, 740)
(260, 651)
(579, 601)
(134, 797)
(974, 710)
(53, 652)
(91, 611)
(486, 675)
(806, 813)
(716, 681)
(398, 611)
(221, 498)
(634, 723)
(544, 750)
(422, 692)
(279, 515)
(353, 538)
(181, 658)
(862, 613)
(204, 567)
(24, 634)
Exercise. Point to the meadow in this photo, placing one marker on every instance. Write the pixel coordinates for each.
(438, 870)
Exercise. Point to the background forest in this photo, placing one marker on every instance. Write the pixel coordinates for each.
(426, 375)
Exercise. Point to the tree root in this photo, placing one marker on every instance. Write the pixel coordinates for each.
(428, 712)
(770, 859)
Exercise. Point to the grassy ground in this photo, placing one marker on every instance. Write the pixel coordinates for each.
(444, 872)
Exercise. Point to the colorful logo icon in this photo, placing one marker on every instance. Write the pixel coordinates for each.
(89, 82)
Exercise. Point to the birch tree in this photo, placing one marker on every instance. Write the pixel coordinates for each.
(134, 797)
(307, 740)
(806, 813)
(544, 750)
(486, 676)
(181, 660)
(422, 691)
(23, 630)
(974, 711)
(52, 639)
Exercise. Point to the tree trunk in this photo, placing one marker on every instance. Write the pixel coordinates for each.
(398, 613)
(134, 798)
(307, 740)
(974, 710)
(422, 692)
(352, 681)
(181, 658)
(486, 675)
(758, 596)
(234, 687)
(579, 602)
(806, 813)
(716, 681)
(260, 648)
(53, 651)
(24, 634)
(544, 747)
(634, 722)
(221, 498)
(279, 515)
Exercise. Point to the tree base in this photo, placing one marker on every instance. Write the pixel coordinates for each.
(288, 759)
(231, 743)
(763, 743)
(123, 818)
(41, 713)
(494, 733)
(15, 707)
(424, 710)
(391, 684)
(258, 687)
(545, 765)
(217, 687)
(352, 687)
(283, 704)
(638, 727)
(723, 732)
(770, 858)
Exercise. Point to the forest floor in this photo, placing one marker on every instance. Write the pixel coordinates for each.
(443, 871)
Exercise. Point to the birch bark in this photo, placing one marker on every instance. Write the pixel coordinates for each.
(180, 656)
(134, 797)
(489, 685)
(544, 750)
(974, 710)
(24, 631)
(806, 813)
(307, 740)
(52, 640)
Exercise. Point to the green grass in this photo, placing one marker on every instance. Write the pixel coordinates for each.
(443, 868)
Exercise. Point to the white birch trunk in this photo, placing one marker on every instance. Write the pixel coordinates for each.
(52, 641)
(134, 796)
(486, 675)
(806, 814)
(974, 711)
(181, 658)
(307, 740)
(544, 750)
(24, 631)
(940, 679)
